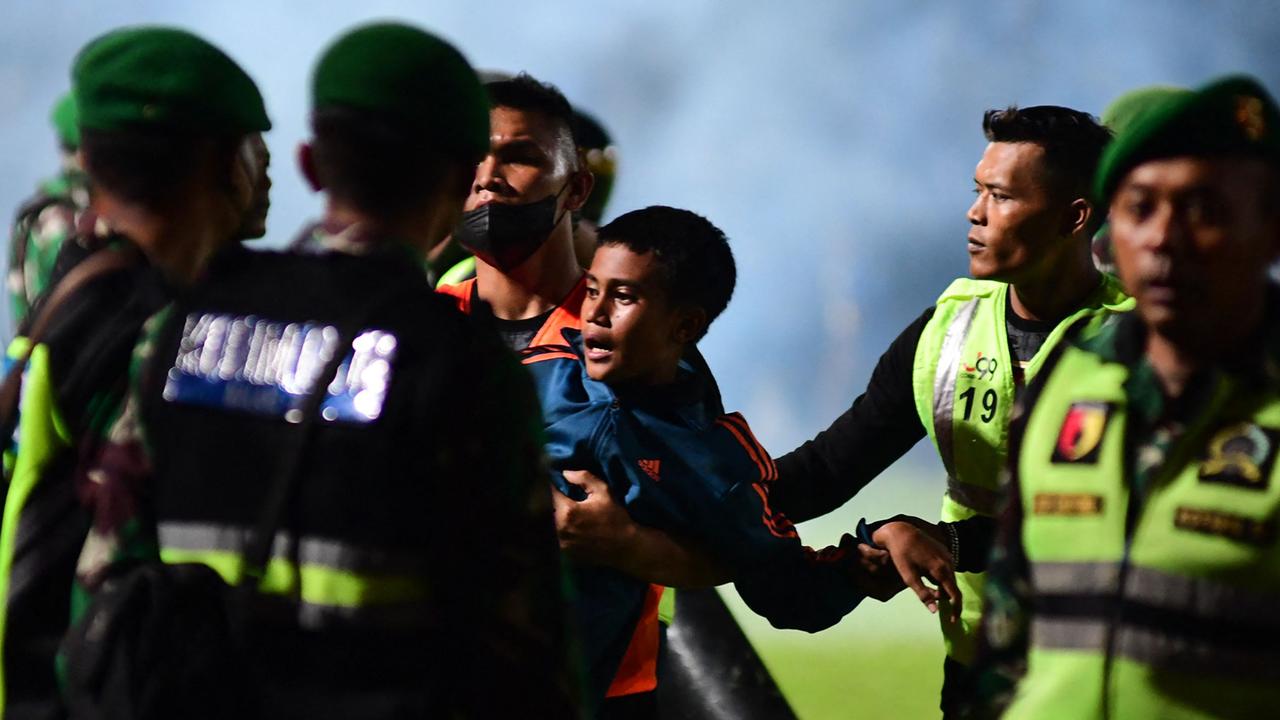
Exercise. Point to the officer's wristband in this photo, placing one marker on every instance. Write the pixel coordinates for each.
(863, 533)
(953, 542)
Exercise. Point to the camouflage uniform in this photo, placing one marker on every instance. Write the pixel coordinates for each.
(41, 227)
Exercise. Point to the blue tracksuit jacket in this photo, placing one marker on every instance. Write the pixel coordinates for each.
(677, 463)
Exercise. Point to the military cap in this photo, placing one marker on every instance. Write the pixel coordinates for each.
(164, 77)
(64, 119)
(1230, 116)
(1128, 106)
(410, 77)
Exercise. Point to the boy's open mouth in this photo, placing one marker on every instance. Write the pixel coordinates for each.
(597, 348)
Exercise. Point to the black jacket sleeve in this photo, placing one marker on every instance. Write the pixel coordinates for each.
(881, 426)
(976, 536)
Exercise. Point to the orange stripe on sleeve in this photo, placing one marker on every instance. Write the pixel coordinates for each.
(741, 423)
(746, 445)
(779, 525)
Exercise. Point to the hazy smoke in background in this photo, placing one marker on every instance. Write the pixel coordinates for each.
(833, 141)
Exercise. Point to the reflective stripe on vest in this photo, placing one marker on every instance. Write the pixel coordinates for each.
(963, 381)
(1171, 612)
(306, 550)
(326, 579)
(1167, 621)
(944, 384)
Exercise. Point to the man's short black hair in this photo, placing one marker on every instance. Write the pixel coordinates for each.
(526, 93)
(378, 165)
(1072, 140)
(151, 167)
(697, 264)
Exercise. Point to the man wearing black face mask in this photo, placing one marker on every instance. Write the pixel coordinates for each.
(517, 219)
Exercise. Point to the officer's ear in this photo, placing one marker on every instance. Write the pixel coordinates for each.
(1076, 220)
(307, 165)
(580, 184)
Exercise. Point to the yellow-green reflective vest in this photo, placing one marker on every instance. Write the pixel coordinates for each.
(964, 389)
(464, 269)
(41, 435)
(1175, 617)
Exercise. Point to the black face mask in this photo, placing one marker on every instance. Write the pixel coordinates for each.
(505, 235)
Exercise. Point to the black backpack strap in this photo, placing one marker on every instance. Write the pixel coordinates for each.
(258, 551)
(95, 266)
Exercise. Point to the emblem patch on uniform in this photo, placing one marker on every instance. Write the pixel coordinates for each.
(264, 367)
(1227, 525)
(1250, 117)
(1081, 433)
(1067, 504)
(983, 368)
(1240, 454)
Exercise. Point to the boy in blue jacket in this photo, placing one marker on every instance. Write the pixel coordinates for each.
(621, 401)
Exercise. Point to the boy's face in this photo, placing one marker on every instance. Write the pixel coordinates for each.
(631, 332)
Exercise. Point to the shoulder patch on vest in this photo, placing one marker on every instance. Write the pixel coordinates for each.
(1067, 504)
(260, 366)
(1241, 455)
(1081, 432)
(1223, 524)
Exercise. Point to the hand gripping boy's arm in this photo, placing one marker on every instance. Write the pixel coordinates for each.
(778, 577)
(598, 530)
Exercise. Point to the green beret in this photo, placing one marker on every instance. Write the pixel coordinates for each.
(1231, 116)
(1125, 109)
(63, 117)
(410, 77)
(164, 77)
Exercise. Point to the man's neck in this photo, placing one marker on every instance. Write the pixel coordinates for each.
(1173, 365)
(180, 250)
(1233, 341)
(415, 230)
(1061, 290)
(534, 287)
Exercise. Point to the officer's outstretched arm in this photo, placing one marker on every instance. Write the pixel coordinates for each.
(879, 427)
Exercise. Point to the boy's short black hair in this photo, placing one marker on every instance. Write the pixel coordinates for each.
(377, 165)
(697, 264)
(150, 167)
